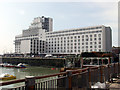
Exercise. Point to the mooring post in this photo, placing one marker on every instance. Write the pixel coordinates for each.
(29, 83)
(69, 80)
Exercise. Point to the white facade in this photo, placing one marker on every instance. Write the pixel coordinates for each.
(75, 41)
(37, 40)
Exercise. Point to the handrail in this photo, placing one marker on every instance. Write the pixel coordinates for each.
(51, 75)
(23, 80)
(12, 82)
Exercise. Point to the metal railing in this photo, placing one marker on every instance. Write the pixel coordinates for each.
(81, 78)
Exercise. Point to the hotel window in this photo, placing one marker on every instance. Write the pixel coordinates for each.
(71, 37)
(95, 42)
(90, 39)
(99, 42)
(82, 43)
(99, 38)
(99, 35)
(78, 43)
(71, 50)
(67, 50)
(78, 47)
(78, 40)
(95, 35)
(82, 46)
(82, 39)
(90, 46)
(90, 42)
(74, 40)
(86, 43)
(78, 50)
(86, 35)
(86, 46)
(78, 36)
(95, 46)
(99, 46)
(67, 37)
(86, 39)
(95, 39)
(71, 47)
(74, 50)
(71, 40)
(82, 36)
(74, 36)
(71, 44)
(95, 50)
(90, 35)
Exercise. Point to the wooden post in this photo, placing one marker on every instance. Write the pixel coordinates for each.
(118, 68)
(108, 72)
(101, 74)
(69, 80)
(30, 83)
(114, 68)
(89, 80)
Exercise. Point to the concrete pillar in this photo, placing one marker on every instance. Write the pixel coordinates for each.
(30, 83)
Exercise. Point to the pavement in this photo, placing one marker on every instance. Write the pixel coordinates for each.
(115, 85)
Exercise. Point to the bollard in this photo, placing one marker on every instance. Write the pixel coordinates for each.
(69, 80)
(30, 83)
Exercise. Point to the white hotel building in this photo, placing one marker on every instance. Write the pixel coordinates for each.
(39, 38)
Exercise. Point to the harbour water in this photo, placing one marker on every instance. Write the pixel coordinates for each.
(29, 71)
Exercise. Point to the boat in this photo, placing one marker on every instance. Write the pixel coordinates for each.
(20, 65)
(9, 65)
(2, 65)
(7, 77)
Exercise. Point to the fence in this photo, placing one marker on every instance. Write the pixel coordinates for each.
(72, 79)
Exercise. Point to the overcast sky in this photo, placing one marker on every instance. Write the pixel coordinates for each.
(16, 16)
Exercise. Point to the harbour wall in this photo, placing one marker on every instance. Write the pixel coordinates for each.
(35, 61)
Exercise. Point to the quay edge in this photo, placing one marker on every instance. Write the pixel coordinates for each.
(35, 61)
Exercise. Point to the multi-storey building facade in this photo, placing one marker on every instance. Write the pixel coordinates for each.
(38, 39)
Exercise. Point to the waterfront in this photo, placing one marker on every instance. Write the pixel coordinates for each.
(29, 71)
